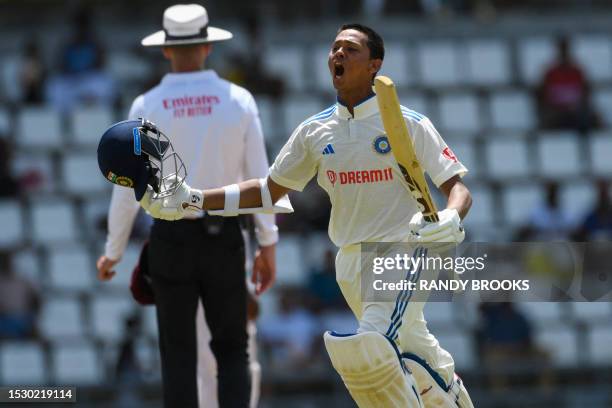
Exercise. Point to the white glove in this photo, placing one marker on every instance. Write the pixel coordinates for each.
(447, 230)
(185, 200)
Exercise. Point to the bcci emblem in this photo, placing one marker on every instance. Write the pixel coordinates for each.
(381, 144)
(121, 180)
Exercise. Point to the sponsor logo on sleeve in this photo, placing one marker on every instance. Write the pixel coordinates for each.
(448, 153)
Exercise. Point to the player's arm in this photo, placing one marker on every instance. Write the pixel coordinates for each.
(458, 196)
(250, 194)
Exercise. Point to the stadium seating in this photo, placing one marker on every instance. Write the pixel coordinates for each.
(415, 101)
(600, 147)
(577, 198)
(519, 202)
(559, 155)
(108, 313)
(53, 222)
(602, 98)
(488, 63)
(39, 127)
(22, 363)
(76, 364)
(512, 110)
(481, 213)
(11, 220)
(439, 64)
(459, 112)
(560, 343)
(88, 123)
(290, 268)
(397, 65)
(61, 318)
(507, 158)
(593, 312)
(71, 268)
(36, 170)
(594, 54)
(476, 89)
(600, 338)
(535, 55)
(81, 174)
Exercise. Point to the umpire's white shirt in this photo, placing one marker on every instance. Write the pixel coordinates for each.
(352, 159)
(214, 127)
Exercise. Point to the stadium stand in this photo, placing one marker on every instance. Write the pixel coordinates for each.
(478, 90)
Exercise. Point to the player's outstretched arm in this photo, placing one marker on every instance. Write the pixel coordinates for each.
(251, 196)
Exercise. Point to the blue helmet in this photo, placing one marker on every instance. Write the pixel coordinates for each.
(135, 153)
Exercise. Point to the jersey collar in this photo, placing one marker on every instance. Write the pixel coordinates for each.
(363, 109)
(206, 74)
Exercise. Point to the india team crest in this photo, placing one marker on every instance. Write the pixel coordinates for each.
(120, 180)
(381, 144)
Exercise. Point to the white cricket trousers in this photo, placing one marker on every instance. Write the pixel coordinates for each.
(386, 318)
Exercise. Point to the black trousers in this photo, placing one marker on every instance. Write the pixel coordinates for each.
(191, 260)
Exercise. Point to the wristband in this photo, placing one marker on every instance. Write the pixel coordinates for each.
(232, 200)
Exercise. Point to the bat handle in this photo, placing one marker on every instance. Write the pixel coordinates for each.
(431, 216)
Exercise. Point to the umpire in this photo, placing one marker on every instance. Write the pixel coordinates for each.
(214, 127)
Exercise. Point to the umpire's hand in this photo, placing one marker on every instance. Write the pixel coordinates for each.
(264, 268)
(105, 268)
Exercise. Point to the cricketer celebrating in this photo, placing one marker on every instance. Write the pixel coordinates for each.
(392, 355)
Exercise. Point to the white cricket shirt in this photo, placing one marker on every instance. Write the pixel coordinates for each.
(352, 160)
(214, 127)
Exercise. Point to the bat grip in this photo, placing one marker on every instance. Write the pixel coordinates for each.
(431, 216)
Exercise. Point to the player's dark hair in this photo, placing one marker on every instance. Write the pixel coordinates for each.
(375, 41)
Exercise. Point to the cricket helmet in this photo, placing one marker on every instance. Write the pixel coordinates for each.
(135, 153)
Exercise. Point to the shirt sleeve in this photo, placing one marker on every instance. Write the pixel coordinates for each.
(123, 206)
(437, 159)
(121, 215)
(256, 166)
(295, 164)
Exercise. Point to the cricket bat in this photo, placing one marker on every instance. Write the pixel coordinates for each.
(402, 147)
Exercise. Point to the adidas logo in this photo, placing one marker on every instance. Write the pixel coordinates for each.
(328, 149)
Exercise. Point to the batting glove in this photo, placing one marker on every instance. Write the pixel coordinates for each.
(184, 201)
(447, 230)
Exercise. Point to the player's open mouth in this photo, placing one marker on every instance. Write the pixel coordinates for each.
(338, 70)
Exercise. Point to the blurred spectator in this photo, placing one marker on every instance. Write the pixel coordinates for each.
(10, 185)
(247, 69)
(506, 345)
(289, 336)
(33, 74)
(323, 287)
(598, 222)
(83, 80)
(564, 94)
(19, 302)
(548, 221)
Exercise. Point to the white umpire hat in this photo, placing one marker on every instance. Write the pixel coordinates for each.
(185, 24)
